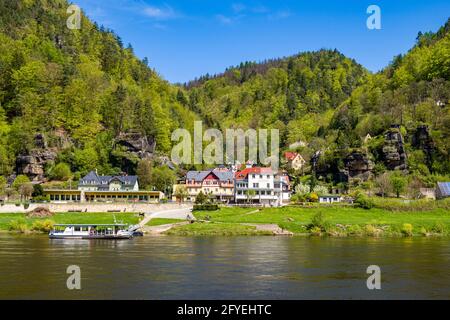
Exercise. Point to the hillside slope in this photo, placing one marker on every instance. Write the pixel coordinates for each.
(68, 95)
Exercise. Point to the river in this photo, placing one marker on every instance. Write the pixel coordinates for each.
(163, 267)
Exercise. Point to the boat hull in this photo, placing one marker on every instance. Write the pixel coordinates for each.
(105, 237)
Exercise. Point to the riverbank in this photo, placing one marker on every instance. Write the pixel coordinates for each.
(20, 222)
(338, 221)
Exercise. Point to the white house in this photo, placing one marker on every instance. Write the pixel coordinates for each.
(333, 198)
(256, 185)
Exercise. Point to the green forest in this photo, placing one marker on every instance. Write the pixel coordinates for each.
(72, 101)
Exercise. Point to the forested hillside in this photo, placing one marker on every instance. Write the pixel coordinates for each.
(326, 105)
(73, 93)
(76, 100)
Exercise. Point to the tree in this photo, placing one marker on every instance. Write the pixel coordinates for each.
(250, 195)
(61, 172)
(398, 184)
(25, 190)
(144, 173)
(201, 198)
(2, 185)
(19, 181)
(384, 184)
(181, 193)
(163, 179)
(38, 191)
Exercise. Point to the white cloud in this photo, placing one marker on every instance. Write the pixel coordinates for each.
(160, 13)
(224, 19)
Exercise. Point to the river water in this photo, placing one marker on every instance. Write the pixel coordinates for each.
(165, 267)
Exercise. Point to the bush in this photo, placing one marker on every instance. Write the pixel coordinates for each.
(355, 230)
(318, 221)
(18, 225)
(313, 197)
(372, 231)
(43, 226)
(407, 229)
(364, 202)
(317, 231)
(206, 207)
(438, 228)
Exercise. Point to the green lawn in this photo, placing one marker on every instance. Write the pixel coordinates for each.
(162, 221)
(72, 217)
(297, 219)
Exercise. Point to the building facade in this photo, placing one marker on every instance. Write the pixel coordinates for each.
(216, 183)
(97, 188)
(256, 185)
(294, 160)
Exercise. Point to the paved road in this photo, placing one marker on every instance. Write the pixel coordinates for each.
(168, 214)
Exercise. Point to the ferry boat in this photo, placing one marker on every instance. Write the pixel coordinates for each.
(91, 231)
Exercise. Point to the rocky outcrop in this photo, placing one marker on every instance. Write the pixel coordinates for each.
(358, 165)
(421, 139)
(33, 163)
(137, 144)
(394, 154)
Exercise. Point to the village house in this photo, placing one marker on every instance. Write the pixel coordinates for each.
(262, 186)
(216, 183)
(294, 160)
(98, 188)
(330, 198)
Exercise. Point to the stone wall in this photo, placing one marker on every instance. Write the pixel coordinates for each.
(94, 207)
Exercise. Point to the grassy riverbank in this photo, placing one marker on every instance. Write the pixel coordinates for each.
(332, 221)
(21, 223)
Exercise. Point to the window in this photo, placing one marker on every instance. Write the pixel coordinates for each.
(268, 185)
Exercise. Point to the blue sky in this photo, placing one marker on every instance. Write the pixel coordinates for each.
(184, 39)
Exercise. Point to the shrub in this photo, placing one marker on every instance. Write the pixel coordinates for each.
(206, 207)
(407, 229)
(18, 225)
(318, 220)
(438, 228)
(364, 202)
(42, 226)
(424, 231)
(355, 230)
(317, 231)
(313, 197)
(372, 231)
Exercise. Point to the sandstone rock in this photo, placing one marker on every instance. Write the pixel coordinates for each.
(394, 150)
(32, 164)
(137, 143)
(358, 165)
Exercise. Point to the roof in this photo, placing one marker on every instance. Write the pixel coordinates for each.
(289, 155)
(93, 176)
(444, 188)
(199, 176)
(255, 170)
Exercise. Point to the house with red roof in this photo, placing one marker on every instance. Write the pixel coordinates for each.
(216, 183)
(262, 186)
(294, 160)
